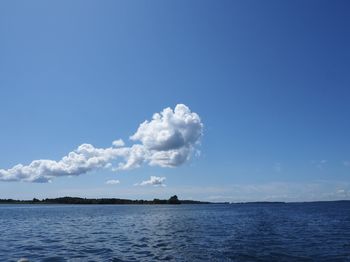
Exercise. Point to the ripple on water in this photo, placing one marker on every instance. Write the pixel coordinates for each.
(292, 232)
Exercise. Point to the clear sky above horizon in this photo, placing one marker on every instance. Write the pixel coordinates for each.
(269, 79)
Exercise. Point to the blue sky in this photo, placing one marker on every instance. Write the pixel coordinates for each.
(269, 80)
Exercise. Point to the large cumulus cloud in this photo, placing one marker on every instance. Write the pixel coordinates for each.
(168, 140)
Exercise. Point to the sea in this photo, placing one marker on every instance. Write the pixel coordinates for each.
(202, 232)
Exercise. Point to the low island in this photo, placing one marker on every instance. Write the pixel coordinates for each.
(101, 201)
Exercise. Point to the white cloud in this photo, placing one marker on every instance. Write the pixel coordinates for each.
(80, 161)
(346, 163)
(112, 182)
(170, 137)
(154, 181)
(118, 143)
(135, 156)
(168, 140)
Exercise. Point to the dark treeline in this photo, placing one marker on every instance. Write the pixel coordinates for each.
(100, 201)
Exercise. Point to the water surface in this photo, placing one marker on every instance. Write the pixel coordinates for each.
(254, 232)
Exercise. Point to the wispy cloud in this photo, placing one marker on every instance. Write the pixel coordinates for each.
(279, 191)
(320, 164)
(168, 140)
(153, 180)
(112, 182)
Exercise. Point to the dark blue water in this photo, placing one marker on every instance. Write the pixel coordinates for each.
(254, 232)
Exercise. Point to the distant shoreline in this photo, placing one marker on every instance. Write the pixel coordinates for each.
(119, 201)
(102, 201)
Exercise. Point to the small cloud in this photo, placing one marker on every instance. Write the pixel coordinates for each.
(118, 143)
(154, 180)
(346, 163)
(112, 182)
